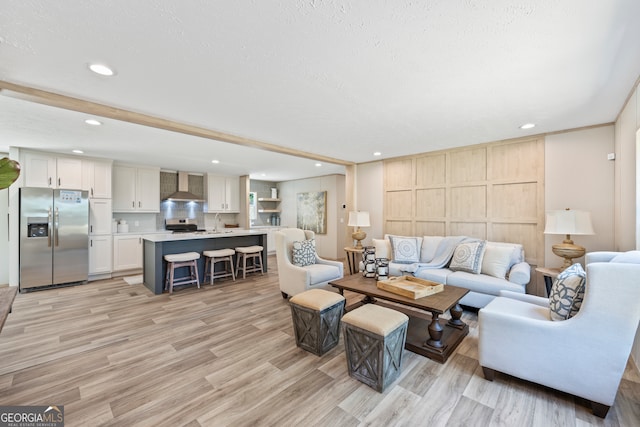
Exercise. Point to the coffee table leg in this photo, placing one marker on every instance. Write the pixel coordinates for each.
(435, 332)
(456, 313)
(368, 300)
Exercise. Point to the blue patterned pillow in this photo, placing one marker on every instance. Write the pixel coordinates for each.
(406, 250)
(304, 253)
(468, 257)
(567, 293)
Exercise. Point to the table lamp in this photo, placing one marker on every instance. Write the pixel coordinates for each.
(568, 222)
(358, 219)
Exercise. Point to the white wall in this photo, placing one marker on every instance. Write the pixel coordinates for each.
(328, 245)
(369, 197)
(4, 233)
(579, 176)
(627, 195)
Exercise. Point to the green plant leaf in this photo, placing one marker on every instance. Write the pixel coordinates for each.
(9, 172)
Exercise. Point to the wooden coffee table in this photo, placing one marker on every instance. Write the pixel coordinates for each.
(427, 334)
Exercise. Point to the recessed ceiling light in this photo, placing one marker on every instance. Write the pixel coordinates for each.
(93, 122)
(318, 165)
(101, 69)
(377, 153)
(215, 161)
(528, 126)
(77, 151)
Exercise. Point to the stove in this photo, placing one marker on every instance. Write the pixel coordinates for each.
(182, 225)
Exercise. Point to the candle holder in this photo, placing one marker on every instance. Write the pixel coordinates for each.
(369, 261)
(382, 268)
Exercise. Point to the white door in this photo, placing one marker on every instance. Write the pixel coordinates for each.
(100, 216)
(100, 254)
(148, 190)
(124, 189)
(69, 171)
(39, 170)
(127, 252)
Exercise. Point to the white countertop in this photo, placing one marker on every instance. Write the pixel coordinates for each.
(169, 237)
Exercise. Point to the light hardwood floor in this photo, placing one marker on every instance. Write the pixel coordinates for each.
(115, 354)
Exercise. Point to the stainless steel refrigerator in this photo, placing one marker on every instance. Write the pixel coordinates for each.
(54, 237)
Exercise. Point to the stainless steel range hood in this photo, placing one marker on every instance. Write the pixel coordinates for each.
(183, 194)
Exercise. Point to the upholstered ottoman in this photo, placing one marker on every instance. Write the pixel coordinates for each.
(316, 317)
(374, 339)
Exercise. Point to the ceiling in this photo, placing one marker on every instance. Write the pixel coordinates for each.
(334, 79)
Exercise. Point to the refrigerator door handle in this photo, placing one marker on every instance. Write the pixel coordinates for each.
(49, 225)
(55, 226)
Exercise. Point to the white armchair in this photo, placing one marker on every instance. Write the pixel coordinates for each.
(294, 279)
(585, 355)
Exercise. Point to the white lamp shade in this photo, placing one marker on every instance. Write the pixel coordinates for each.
(359, 219)
(568, 222)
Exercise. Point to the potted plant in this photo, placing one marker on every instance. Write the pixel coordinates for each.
(9, 172)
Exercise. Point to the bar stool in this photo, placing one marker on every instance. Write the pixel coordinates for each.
(249, 252)
(187, 259)
(219, 255)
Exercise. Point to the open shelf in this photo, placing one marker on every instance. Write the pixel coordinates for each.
(268, 210)
(267, 199)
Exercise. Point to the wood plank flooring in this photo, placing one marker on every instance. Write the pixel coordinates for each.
(224, 355)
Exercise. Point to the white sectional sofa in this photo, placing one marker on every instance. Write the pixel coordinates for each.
(500, 266)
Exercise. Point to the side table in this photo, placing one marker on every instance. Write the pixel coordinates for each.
(352, 251)
(549, 275)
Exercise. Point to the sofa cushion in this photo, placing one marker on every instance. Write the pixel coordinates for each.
(468, 257)
(631, 257)
(482, 283)
(406, 250)
(496, 260)
(438, 275)
(382, 248)
(320, 273)
(567, 293)
(304, 252)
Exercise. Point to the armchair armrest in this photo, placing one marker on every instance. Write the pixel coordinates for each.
(600, 256)
(520, 273)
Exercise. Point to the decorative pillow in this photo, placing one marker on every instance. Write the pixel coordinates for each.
(304, 253)
(406, 250)
(468, 257)
(567, 293)
(496, 260)
(382, 247)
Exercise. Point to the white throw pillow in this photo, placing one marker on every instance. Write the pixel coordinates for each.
(496, 260)
(406, 250)
(382, 248)
(567, 293)
(468, 257)
(304, 252)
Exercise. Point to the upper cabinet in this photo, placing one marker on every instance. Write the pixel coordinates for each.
(51, 171)
(136, 189)
(223, 193)
(96, 178)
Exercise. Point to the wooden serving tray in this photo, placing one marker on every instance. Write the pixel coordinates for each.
(411, 287)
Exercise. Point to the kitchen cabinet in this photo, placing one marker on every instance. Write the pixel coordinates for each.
(136, 189)
(127, 252)
(50, 171)
(96, 178)
(100, 216)
(223, 193)
(100, 254)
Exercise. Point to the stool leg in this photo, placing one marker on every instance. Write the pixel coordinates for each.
(233, 273)
(207, 264)
(171, 277)
(166, 277)
(244, 266)
(194, 268)
(260, 262)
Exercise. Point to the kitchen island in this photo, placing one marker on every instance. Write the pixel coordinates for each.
(156, 246)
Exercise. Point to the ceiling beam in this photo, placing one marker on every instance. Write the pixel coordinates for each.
(75, 104)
